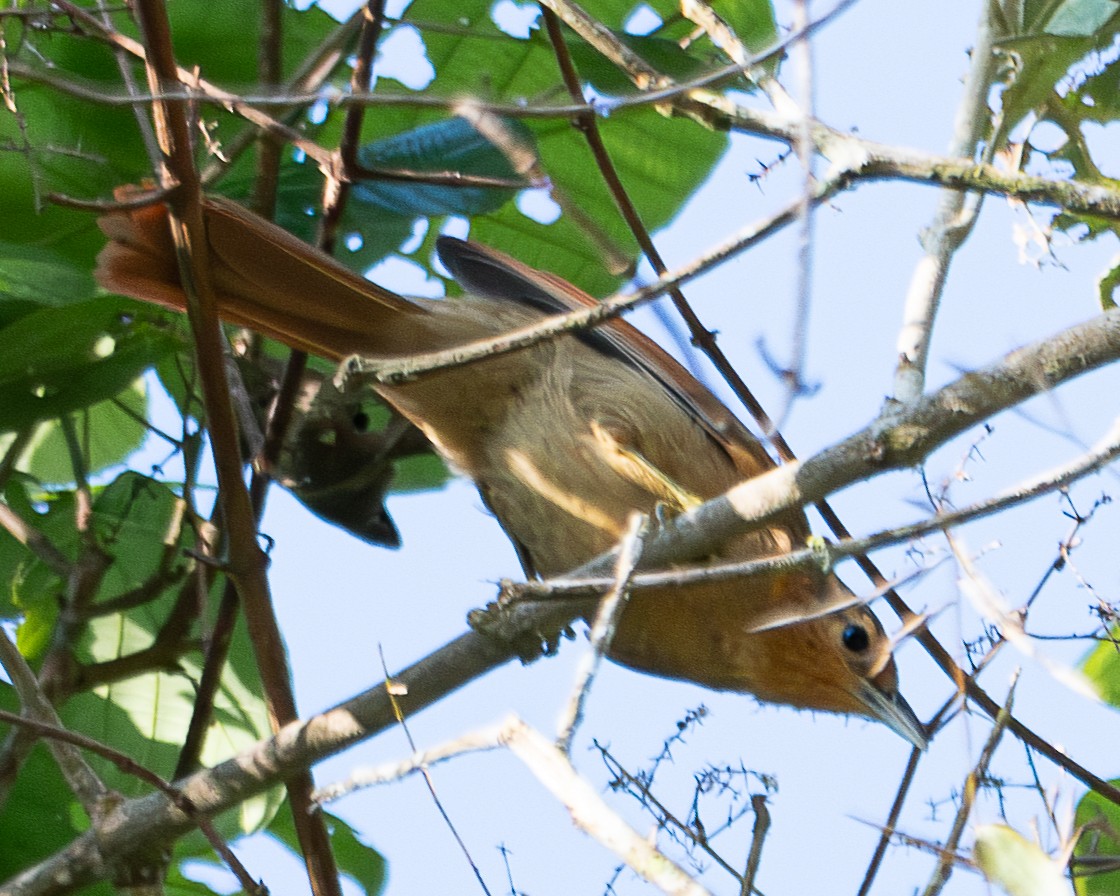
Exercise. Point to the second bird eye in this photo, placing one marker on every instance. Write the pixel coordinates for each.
(855, 638)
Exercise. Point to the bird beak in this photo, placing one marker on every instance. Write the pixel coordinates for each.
(894, 712)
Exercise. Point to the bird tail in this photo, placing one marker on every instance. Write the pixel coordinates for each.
(264, 278)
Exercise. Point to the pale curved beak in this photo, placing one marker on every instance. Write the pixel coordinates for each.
(893, 711)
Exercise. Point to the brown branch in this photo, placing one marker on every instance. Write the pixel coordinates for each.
(292, 750)
(855, 159)
(246, 561)
(758, 837)
(57, 735)
(890, 824)
(972, 784)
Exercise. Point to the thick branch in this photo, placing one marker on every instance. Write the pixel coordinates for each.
(956, 215)
(902, 436)
(154, 818)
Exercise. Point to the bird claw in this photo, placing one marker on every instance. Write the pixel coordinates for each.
(498, 620)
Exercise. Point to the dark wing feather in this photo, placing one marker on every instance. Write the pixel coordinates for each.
(485, 271)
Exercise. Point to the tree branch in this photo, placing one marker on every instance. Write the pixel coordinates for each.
(900, 437)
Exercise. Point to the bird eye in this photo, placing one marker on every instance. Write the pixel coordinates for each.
(855, 638)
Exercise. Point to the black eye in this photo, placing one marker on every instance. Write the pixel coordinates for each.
(360, 421)
(855, 638)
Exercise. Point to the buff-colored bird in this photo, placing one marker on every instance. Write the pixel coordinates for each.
(565, 440)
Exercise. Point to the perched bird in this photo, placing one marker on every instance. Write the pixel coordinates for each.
(564, 440)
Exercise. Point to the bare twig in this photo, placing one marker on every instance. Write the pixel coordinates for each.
(602, 630)
(758, 837)
(391, 689)
(553, 770)
(396, 371)
(952, 222)
(972, 783)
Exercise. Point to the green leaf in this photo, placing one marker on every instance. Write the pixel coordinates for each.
(57, 360)
(1081, 18)
(361, 862)
(1101, 839)
(31, 589)
(1102, 667)
(33, 275)
(666, 56)
(145, 714)
(659, 181)
(659, 184)
(40, 815)
(1043, 56)
(177, 884)
(1107, 284)
(108, 431)
(1097, 99)
(752, 20)
(421, 473)
(1016, 864)
(203, 32)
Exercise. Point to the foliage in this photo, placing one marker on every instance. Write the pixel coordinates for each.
(114, 597)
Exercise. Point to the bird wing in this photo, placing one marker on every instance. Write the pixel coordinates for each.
(480, 269)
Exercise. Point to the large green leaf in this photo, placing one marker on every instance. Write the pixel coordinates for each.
(1016, 864)
(1102, 667)
(1042, 48)
(660, 160)
(134, 521)
(57, 360)
(76, 146)
(30, 275)
(448, 145)
(108, 431)
(362, 863)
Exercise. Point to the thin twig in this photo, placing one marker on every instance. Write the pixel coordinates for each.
(972, 784)
(80, 777)
(602, 630)
(429, 781)
(396, 371)
(553, 770)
